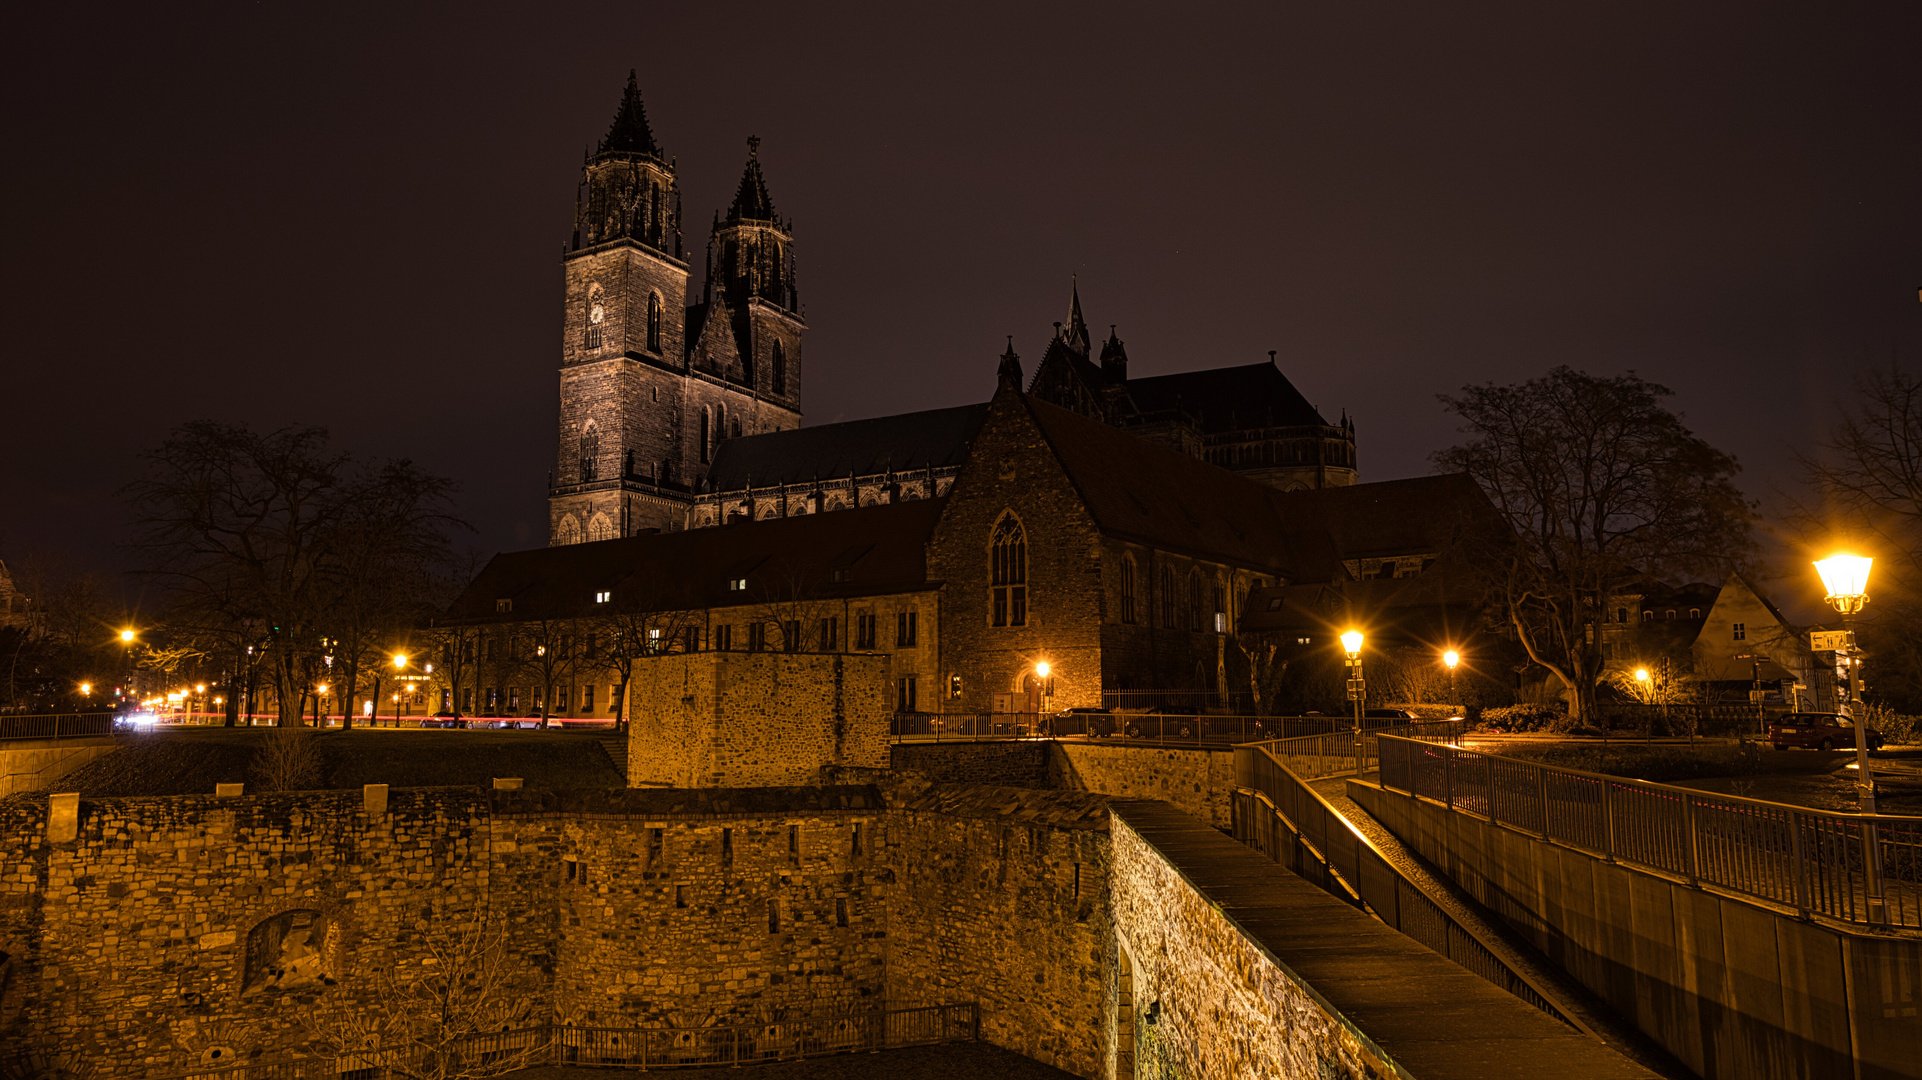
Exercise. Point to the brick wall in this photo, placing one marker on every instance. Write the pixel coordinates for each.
(1201, 782)
(1013, 764)
(733, 719)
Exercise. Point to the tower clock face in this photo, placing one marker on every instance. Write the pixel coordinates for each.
(595, 313)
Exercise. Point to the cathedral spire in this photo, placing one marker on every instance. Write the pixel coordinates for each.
(1077, 332)
(751, 201)
(1009, 373)
(629, 134)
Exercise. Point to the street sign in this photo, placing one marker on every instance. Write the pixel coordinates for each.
(1758, 696)
(1828, 640)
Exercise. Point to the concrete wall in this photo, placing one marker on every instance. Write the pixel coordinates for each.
(1732, 988)
(34, 764)
(1200, 782)
(739, 719)
(1022, 763)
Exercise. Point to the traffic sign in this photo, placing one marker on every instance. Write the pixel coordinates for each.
(1829, 640)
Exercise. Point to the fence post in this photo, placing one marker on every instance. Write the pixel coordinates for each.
(1694, 854)
(1799, 870)
(1541, 791)
(1448, 775)
(1608, 816)
(1872, 871)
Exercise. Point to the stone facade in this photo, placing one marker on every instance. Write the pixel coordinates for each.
(649, 383)
(1021, 763)
(1200, 782)
(726, 719)
(135, 945)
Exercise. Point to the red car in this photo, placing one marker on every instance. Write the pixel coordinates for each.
(1818, 731)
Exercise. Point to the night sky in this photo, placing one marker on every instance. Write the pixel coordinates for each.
(318, 214)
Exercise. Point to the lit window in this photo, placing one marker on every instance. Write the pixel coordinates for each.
(503, 606)
(738, 584)
(603, 596)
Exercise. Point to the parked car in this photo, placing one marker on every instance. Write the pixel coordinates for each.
(1156, 726)
(443, 720)
(1818, 731)
(1387, 717)
(1088, 720)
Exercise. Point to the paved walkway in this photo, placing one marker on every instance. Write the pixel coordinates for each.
(1623, 1036)
(949, 1061)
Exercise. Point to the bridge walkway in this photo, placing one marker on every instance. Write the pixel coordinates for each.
(1618, 1033)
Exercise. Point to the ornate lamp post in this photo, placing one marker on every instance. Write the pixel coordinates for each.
(1042, 672)
(400, 665)
(1357, 688)
(1449, 660)
(1846, 577)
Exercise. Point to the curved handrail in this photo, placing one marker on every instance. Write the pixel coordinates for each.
(1352, 892)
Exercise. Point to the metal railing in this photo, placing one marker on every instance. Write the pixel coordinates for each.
(1855, 868)
(1204, 728)
(56, 725)
(1281, 816)
(498, 1053)
(1341, 752)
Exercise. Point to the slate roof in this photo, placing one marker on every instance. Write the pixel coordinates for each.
(1227, 399)
(1421, 514)
(630, 133)
(909, 441)
(1142, 490)
(883, 548)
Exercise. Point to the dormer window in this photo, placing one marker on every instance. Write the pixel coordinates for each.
(843, 573)
(1694, 613)
(503, 606)
(603, 596)
(737, 584)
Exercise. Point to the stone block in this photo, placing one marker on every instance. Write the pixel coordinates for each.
(507, 783)
(226, 791)
(373, 799)
(63, 817)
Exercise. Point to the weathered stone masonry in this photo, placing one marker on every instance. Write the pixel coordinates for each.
(128, 946)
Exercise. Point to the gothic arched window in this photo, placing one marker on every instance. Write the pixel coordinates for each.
(569, 531)
(779, 369)
(600, 528)
(590, 452)
(1167, 589)
(707, 451)
(1194, 600)
(654, 322)
(1008, 569)
(1127, 589)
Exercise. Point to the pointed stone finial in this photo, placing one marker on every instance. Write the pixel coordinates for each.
(1009, 374)
(753, 145)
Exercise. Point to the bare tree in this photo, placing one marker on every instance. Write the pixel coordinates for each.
(288, 761)
(637, 628)
(546, 650)
(461, 1006)
(789, 605)
(1599, 482)
(282, 541)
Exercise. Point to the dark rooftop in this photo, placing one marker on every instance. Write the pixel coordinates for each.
(903, 443)
(1227, 399)
(881, 548)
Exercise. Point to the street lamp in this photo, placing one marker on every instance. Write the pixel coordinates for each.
(1846, 577)
(1043, 669)
(1357, 689)
(1451, 658)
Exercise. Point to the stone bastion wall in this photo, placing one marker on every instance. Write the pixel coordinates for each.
(149, 935)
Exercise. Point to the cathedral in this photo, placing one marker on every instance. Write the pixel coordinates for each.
(678, 415)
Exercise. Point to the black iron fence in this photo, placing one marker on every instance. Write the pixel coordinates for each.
(1342, 751)
(55, 725)
(499, 1053)
(1856, 868)
(1281, 816)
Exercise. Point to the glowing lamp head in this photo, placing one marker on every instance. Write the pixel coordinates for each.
(321, 689)
(86, 688)
(400, 660)
(1043, 669)
(126, 636)
(1451, 658)
(1641, 674)
(1351, 642)
(200, 688)
(1846, 577)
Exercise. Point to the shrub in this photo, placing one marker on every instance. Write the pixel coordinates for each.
(1513, 719)
(288, 761)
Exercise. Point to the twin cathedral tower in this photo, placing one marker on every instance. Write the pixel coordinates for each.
(651, 384)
